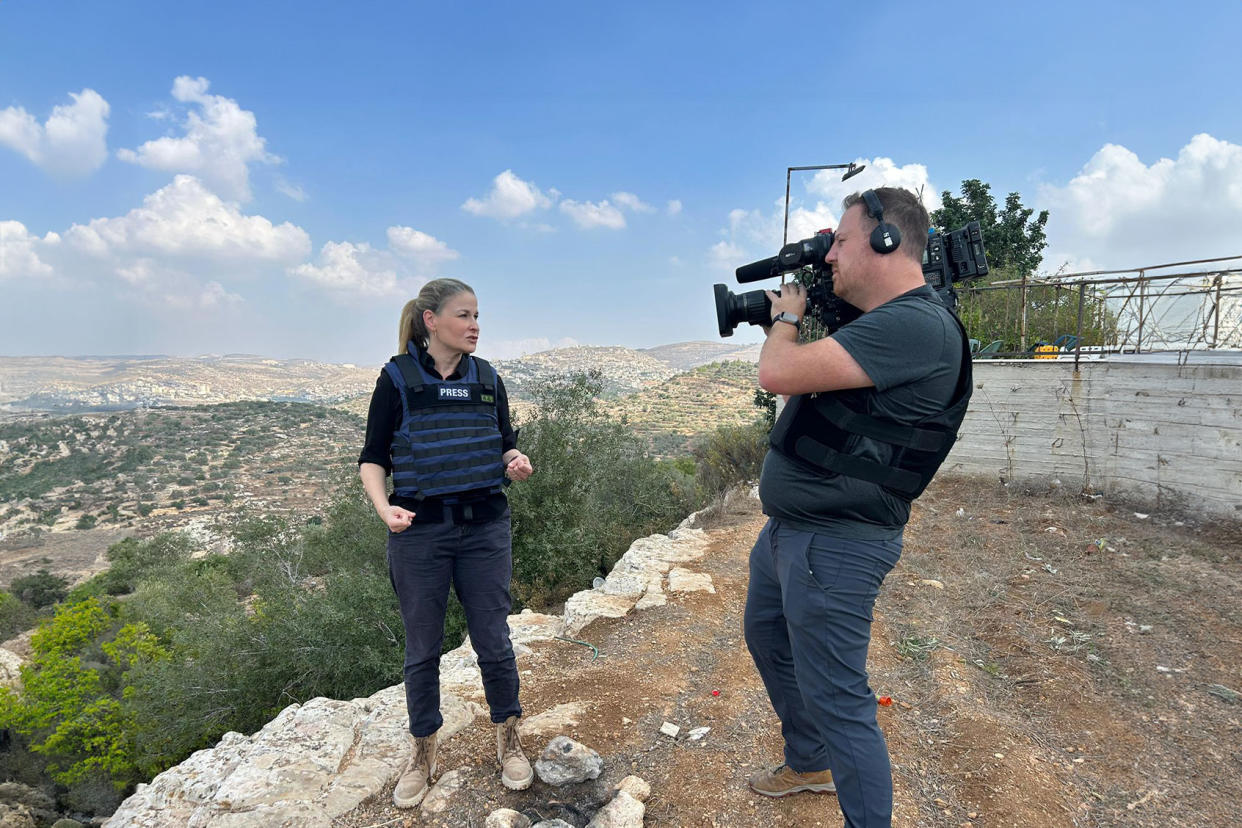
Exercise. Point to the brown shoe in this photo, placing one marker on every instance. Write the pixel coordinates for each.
(783, 780)
(419, 770)
(515, 770)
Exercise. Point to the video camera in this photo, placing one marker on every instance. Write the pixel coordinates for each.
(949, 258)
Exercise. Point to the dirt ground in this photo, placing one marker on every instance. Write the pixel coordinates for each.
(1053, 660)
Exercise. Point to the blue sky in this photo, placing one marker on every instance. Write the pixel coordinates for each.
(278, 178)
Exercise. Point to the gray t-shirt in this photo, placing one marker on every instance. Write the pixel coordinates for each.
(911, 348)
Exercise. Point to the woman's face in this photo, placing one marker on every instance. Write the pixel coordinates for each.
(456, 326)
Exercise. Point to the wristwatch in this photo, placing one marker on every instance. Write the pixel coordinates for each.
(786, 316)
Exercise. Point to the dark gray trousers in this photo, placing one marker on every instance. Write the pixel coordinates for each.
(808, 627)
(477, 558)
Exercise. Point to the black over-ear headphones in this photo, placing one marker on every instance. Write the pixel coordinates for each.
(885, 238)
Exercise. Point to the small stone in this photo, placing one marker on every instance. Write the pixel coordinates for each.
(939, 803)
(932, 582)
(636, 787)
(552, 823)
(670, 729)
(506, 818)
(624, 811)
(999, 755)
(565, 761)
(972, 814)
(698, 733)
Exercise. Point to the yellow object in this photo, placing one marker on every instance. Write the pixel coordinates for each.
(1046, 351)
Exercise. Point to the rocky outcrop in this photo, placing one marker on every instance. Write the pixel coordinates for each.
(10, 668)
(319, 760)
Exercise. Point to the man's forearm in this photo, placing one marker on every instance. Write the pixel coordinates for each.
(773, 357)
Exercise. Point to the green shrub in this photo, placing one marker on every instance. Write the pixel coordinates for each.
(41, 589)
(15, 615)
(593, 491)
(730, 455)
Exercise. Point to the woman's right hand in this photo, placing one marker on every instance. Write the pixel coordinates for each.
(396, 518)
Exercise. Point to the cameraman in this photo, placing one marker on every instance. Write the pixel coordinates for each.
(873, 410)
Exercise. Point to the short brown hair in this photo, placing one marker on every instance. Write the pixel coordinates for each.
(902, 208)
(432, 297)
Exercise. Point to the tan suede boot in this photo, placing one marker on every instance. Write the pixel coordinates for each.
(783, 780)
(419, 770)
(515, 771)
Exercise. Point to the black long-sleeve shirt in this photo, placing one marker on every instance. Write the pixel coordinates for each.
(384, 418)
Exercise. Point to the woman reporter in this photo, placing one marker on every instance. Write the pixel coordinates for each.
(439, 423)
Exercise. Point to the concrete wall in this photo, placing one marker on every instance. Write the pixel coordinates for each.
(1167, 434)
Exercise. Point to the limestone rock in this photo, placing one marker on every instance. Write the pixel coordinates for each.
(552, 720)
(552, 823)
(623, 811)
(683, 580)
(636, 787)
(440, 797)
(565, 761)
(654, 596)
(506, 818)
(312, 763)
(15, 815)
(584, 607)
(10, 668)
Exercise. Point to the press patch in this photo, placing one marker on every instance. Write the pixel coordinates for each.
(450, 393)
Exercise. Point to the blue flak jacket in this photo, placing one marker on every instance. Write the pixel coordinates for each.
(449, 439)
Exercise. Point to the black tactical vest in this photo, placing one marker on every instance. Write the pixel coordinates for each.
(817, 434)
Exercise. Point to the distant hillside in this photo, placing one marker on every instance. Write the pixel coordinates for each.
(624, 369)
(80, 384)
(682, 356)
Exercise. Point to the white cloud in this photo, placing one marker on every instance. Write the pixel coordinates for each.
(727, 255)
(1118, 212)
(631, 202)
(73, 141)
(513, 348)
(754, 234)
(291, 190)
(354, 271)
(673, 208)
(163, 286)
(221, 140)
(185, 220)
(509, 198)
(214, 295)
(425, 251)
(880, 172)
(588, 214)
(19, 254)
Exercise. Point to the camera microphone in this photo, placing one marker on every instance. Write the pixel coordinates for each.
(762, 269)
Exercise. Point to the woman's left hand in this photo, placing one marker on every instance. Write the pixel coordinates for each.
(519, 467)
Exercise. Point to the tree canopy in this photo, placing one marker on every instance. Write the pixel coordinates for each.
(1013, 235)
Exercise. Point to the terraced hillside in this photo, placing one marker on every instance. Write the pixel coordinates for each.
(670, 415)
(105, 471)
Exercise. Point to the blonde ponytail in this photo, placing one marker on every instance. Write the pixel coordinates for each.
(432, 297)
